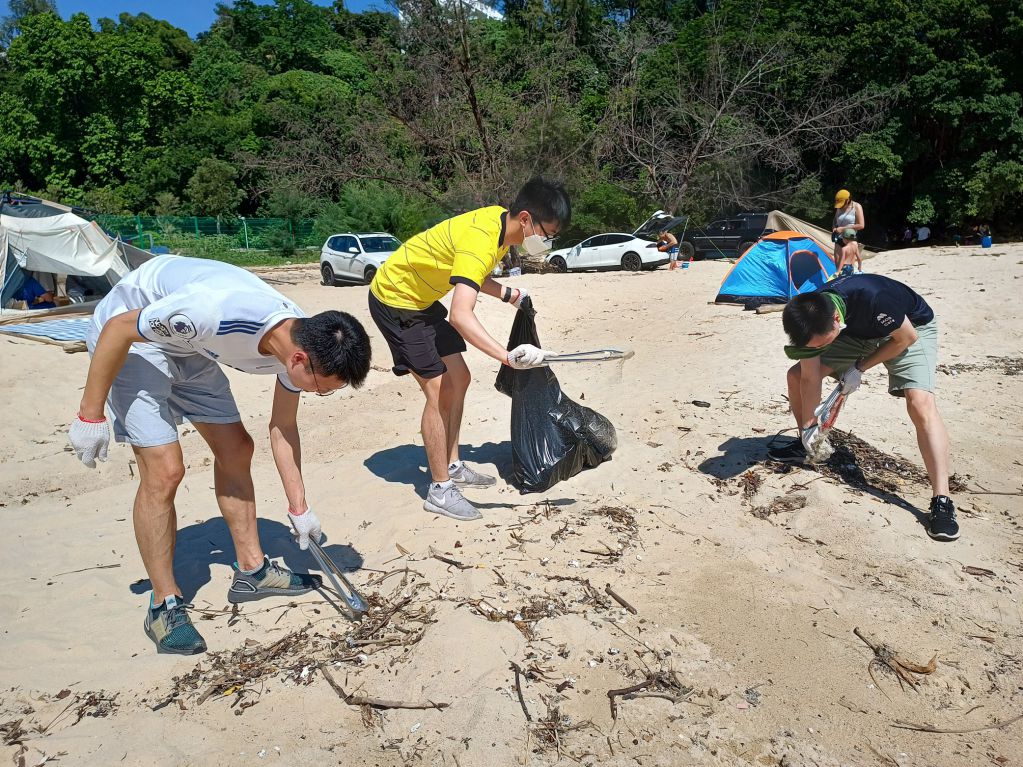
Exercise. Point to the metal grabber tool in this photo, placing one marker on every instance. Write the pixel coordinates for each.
(597, 355)
(826, 413)
(353, 604)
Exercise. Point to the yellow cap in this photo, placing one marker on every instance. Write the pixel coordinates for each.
(841, 198)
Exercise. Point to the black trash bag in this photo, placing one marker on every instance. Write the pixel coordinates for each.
(553, 438)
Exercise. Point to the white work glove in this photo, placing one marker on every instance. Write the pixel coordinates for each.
(307, 526)
(526, 356)
(523, 294)
(851, 379)
(90, 440)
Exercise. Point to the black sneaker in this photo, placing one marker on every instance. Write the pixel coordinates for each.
(792, 452)
(942, 525)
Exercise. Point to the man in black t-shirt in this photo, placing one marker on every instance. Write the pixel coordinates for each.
(850, 325)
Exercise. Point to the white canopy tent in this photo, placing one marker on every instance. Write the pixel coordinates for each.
(49, 242)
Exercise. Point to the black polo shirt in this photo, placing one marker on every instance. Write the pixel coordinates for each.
(876, 306)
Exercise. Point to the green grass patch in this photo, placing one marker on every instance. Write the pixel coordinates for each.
(225, 248)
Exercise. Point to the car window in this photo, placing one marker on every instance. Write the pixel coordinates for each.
(735, 224)
(344, 243)
(593, 242)
(334, 243)
(380, 244)
(717, 225)
(616, 239)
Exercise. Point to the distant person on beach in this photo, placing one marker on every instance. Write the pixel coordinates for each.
(844, 329)
(157, 341)
(457, 256)
(35, 295)
(845, 227)
(667, 243)
(923, 233)
(907, 236)
(80, 289)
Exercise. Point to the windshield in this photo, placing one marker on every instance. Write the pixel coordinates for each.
(380, 244)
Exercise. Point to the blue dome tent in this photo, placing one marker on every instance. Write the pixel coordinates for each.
(776, 268)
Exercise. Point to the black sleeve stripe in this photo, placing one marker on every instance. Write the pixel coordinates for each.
(464, 281)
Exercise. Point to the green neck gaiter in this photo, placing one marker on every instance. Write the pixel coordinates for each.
(804, 352)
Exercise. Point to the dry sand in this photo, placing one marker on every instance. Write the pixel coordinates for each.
(746, 624)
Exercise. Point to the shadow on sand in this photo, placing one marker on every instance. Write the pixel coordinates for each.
(208, 543)
(741, 453)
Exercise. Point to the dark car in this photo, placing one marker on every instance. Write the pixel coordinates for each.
(725, 237)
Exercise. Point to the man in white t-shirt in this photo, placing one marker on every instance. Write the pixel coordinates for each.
(923, 233)
(157, 341)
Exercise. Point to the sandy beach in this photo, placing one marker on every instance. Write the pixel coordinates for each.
(747, 581)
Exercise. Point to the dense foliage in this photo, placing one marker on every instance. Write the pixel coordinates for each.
(390, 121)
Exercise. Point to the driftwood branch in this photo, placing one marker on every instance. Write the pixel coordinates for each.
(613, 694)
(85, 569)
(928, 728)
(886, 657)
(619, 599)
(449, 560)
(518, 690)
(366, 700)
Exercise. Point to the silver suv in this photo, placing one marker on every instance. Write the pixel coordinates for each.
(355, 257)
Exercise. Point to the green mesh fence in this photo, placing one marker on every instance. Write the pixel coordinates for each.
(247, 233)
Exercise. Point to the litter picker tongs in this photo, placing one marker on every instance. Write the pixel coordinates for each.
(827, 411)
(827, 414)
(354, 605)
(597, 355)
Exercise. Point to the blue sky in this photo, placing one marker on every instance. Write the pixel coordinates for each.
(194, 16)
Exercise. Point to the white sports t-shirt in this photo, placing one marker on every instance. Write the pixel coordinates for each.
(197, 306)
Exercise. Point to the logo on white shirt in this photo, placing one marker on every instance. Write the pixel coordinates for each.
(182, 326)
(159, 328)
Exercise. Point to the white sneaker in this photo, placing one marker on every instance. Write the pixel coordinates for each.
(449, 502)
(466, 476)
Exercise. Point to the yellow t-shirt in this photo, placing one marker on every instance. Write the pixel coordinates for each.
(465, 249)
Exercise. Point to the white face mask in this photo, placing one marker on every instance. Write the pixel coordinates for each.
(535, 245)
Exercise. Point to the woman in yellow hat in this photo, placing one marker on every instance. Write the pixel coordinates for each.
(845, 226)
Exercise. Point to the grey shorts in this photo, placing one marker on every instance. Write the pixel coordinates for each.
(155, 391)
(915, 368)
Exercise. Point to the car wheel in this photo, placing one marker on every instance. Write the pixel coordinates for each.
(327, 271)
(369, 274)
(558, 264)
(744, 246)
(686, 251)
(631, 262)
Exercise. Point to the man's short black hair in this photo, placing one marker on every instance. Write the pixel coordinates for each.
(545, 200)
(808, 315)
(337, 345)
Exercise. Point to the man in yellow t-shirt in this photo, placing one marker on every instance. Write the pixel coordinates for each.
(404, 301)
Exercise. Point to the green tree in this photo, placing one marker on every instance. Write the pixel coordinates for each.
(213, 189)
(18, 11)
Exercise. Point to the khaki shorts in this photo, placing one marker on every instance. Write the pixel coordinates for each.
(154, 392)
(913, 369)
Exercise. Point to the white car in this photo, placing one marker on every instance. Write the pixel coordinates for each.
(616, 250)
(351, 257)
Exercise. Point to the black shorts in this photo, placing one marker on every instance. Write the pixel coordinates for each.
(418, 338)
